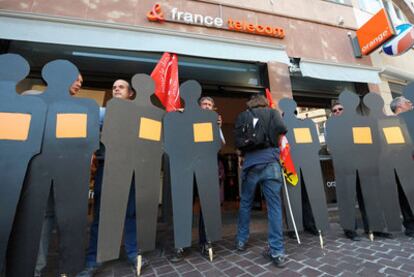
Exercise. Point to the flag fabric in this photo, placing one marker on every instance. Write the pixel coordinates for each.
(287, 162)
(285, 158)
(269, 98)
(165, 75)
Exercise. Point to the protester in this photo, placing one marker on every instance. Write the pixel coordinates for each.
(205, 103)
(401, 105)
(122, 90)
(262, 166)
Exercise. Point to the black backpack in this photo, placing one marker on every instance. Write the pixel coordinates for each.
(250, 132)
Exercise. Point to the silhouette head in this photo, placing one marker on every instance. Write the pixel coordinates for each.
(144, 87)
(60, 74)
(374, 102)
(190, 92)
(288, 106)
(349, 100)
(13, 68)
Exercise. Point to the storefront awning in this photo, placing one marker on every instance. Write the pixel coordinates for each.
(339, 72)
(126, 37)
(390, 72)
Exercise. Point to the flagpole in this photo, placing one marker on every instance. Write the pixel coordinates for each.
(290, 207)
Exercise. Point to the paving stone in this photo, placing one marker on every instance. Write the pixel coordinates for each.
(244, 263)
(255, 270)
(395, 272)
(330, 270)
(223, 265)
(341, 257)
(164, 269)
(310, 272)
(234, 271)
(204, 267)
(194, 273)
(185, 268)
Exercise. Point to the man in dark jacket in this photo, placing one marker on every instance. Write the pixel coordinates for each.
(262, 166)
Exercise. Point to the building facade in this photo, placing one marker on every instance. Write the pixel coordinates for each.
(298, 49)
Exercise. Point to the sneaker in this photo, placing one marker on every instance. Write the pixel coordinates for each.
(383, 235)
(409, 233)
(278, 260)
(178, 256)
(88, 272)
(352, 235)
(240, 246)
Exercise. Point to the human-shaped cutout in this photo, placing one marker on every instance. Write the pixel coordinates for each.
(63, 167)
(22, 121)
(305, 146)
(395, 160)
(355, 155)
(132, 135)
(192, 140)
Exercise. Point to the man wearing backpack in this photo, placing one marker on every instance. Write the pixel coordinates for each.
(257, 134)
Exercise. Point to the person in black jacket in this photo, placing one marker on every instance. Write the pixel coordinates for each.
(262, 166)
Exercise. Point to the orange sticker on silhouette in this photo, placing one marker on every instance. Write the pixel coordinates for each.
(393, 135)
(14, 126)
(362, 135)
(149, 129)
(302, 135)
(71, 125)
(203, 132)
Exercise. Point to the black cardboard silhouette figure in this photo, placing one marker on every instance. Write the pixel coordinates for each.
(191, 140)
(305, 146)
(132, 135)
(355, 155)
(63, 168)
(22, 121)
(395, 160)
(408, 116)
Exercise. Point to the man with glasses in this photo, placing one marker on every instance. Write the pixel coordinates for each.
(337, 109)
(400, 105)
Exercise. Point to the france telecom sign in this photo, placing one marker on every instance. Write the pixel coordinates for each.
(375, 32)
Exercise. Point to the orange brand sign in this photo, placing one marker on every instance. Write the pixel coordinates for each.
(375, 32)
(175, 15)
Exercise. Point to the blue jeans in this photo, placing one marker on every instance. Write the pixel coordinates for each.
(270, 177)
(130, 231)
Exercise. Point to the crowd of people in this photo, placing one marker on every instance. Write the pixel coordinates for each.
(261, 166)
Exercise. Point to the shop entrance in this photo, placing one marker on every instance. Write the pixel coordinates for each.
(229, 83)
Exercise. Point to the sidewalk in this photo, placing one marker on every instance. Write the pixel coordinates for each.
(341, 257)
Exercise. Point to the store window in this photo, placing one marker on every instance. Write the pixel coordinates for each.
(396, 14)
(371, 6)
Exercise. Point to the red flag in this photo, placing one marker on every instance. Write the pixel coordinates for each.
(165, 75)
(286, 161)
(269, 98)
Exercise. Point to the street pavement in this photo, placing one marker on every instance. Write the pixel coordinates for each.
(339, 257)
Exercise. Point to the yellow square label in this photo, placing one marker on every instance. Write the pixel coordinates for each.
(14, 126)
(362, 135)
(149, 129)
(394, 135)
(203, 132)
(71, 125)
(302, 135)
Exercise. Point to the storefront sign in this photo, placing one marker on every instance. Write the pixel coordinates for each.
(176, 15)
(403, 42)
(375, 32)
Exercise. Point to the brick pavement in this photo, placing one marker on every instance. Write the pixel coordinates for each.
(340, 257)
